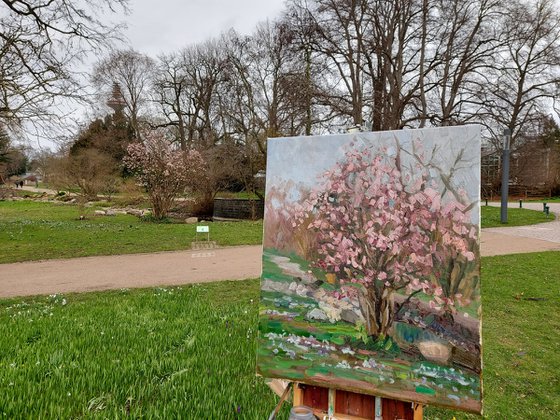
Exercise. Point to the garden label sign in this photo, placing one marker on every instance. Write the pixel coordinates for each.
(371, 264)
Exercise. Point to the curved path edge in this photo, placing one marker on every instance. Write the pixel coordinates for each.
(129, 271)
(183, 267)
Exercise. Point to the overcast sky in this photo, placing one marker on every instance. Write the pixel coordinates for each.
(155, 27)
(167, 25)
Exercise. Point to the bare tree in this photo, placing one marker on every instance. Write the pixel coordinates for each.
(466, 43)
(260, 96)
(396, 59)
(170, 87)
(205, 64)
(303, 33)
(40, 41)
(339, 27)
(527, 77)
(133, 72)
(89, 170)
(376, 54)
(185, 88)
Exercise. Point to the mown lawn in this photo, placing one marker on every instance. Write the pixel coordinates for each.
(36, 230)
(516, 217)
(31, 230)
(544, 200)
(189, 352)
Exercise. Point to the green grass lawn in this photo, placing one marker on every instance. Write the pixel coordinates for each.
(31, 230)
(189, 352)
(544, 200)
(516, 217)
(241, 194)
(36, 230)
(153, 353)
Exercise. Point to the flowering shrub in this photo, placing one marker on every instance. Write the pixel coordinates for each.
(163, 170)
(388, 230)
(283, 233)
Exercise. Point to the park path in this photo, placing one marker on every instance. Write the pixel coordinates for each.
(133, 270)
(38, 190)
(183, 267)
(232, 263)
(540, 237)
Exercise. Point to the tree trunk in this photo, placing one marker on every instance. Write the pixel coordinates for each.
(378, 308)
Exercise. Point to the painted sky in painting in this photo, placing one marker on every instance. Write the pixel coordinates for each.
(303, 161)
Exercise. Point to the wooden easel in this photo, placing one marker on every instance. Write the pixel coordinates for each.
(344, 405)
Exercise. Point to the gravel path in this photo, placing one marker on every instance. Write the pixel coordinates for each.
(134, 270)
(234, 263)
(548, 232)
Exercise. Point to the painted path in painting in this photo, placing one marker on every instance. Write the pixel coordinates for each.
(327, 351)
(183, 267)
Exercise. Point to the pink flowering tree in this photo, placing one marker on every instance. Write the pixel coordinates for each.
(163, 170)
(387, 231)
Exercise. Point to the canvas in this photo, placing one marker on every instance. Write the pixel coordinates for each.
(371, 264)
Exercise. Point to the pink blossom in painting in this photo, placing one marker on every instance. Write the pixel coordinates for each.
(371, 247)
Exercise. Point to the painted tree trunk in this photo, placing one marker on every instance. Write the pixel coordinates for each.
(378, 308)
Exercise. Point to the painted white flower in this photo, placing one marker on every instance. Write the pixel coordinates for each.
(343, 365)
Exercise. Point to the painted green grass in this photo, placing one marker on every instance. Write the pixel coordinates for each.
(516, 217)
(190, 352)
(36, 230)
(302, 348)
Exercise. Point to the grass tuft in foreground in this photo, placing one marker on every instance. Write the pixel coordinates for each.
(155, 353)
(189, 352)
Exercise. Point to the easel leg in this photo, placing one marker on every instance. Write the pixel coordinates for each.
(418, 411)
(279, 405)
(332, 402)
(378, 408)
(298, 395)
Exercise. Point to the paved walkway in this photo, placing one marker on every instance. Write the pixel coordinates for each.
(532, 238)
(500, 241)
(234, 263)
(133, 270)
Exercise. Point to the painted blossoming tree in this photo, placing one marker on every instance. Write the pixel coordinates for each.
(163, 170)
(388, 229)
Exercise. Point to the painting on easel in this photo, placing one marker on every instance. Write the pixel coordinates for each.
(371, 264)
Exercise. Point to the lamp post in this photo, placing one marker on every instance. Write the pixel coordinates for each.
(505, 174)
